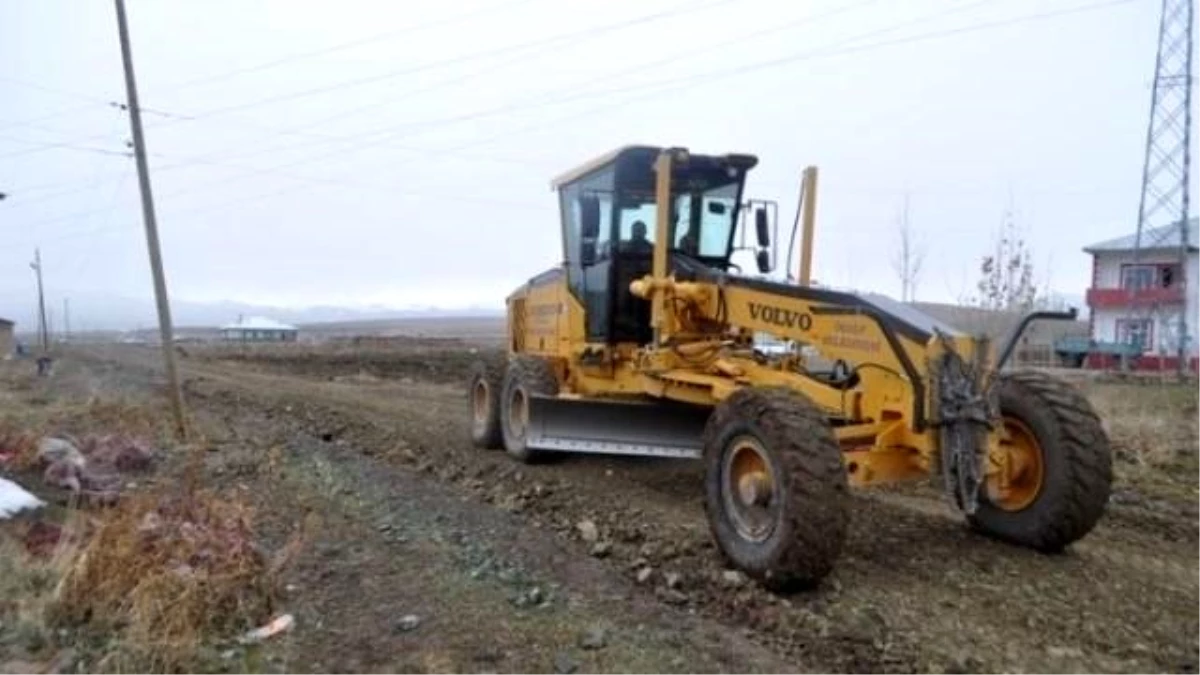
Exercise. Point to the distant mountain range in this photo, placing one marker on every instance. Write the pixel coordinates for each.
(90, 311)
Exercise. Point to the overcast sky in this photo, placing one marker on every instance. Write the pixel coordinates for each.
(399, 153)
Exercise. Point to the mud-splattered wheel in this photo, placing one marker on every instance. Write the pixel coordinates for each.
(775, 487)
(1050, 477)
(483, 400)
(526, 377)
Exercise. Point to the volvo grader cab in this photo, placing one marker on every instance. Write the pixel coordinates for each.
(642, 342)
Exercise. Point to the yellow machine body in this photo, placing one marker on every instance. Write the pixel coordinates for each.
(646, 341)
(880, 420)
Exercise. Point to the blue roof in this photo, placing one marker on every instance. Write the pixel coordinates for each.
(1166, 236)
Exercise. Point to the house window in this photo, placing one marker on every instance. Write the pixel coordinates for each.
(1135, 332)
(1141, 277)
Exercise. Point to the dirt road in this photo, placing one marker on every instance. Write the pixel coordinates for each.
(509, 580)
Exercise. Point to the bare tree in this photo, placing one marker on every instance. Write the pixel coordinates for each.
(910, 254)
(1006, 275)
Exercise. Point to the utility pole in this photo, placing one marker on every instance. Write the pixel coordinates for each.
(156, 267)
(66, 319)
(43, 333)
(1166, 171)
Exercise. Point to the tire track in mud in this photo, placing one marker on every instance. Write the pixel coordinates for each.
(914, 590)
(396, 542)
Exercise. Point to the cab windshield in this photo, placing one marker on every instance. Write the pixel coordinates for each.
(704, 221)
(703, 212)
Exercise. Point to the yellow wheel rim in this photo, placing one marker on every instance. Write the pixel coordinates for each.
(1020, 469)
(752, 496)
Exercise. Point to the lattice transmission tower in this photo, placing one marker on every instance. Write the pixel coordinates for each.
(1167, 167)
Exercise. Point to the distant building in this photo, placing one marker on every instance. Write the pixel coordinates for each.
(1139, 302)
(6, 338)
(259, 329)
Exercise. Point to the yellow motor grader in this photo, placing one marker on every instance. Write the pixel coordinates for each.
(642, 342)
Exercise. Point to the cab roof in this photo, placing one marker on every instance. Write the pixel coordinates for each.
(651, 151)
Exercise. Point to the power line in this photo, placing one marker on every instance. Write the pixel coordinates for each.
(73, 187)
(676, 84)
(588, 34)
(54, 115)
(420, 68)
(792, 58)
(685, 9)
(373, 139)
(657, 89)
(104, 219)
(42, 145)
(389, 189)
(305, 183)
(346, 45)
(52, 90)
(382, 135)
(326, 139)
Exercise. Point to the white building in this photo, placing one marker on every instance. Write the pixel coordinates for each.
(1141, 299)
(259, 329)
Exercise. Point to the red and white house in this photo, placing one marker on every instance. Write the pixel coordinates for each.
(1140, 299)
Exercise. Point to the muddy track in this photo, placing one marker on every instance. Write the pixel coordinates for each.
(914, 590)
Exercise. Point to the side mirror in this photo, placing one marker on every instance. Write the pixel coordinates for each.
(764, 260)
(716, 208)
(587, 252)
(762, 228)
(589, 208)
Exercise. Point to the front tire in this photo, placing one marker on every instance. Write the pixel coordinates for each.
(776, 487)
(1060, 466)
(527, 376)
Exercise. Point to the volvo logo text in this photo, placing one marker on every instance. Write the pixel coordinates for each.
(780, 316)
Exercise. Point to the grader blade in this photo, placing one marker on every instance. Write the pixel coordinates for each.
(656, 429)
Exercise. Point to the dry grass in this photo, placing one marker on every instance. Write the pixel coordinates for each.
(1151, 424)
(168, 573)
(127, 418)
(18, 446)
(425, 359)
(157, 583)
(27, 586)
(150, 586)
(22, 426)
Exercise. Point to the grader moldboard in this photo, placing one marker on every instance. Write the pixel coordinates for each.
(643, 343)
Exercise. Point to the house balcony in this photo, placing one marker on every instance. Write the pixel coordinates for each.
(1108, 298)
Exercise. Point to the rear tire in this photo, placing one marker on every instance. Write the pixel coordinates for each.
(1074, 466)
(527, 376)
(794, 540)
(483, 402)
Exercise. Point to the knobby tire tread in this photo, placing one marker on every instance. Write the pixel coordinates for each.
(816, 505)
(491, 370)
(1079, 438)
(537, 376)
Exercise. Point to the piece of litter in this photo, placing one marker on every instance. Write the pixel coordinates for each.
(276, 626)
(60, 450)
(14, 499)
(408, 622)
